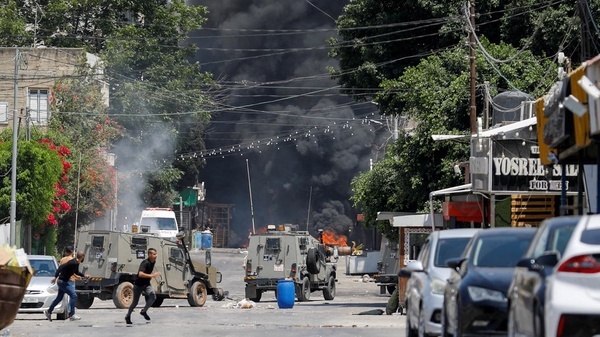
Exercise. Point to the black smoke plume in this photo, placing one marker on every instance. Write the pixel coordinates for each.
(295, 133)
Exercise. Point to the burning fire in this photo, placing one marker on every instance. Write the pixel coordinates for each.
(333, 239)
(261, 230)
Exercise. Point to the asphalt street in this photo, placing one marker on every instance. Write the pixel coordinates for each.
(343, 316)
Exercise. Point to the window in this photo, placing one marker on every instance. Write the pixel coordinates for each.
(98, 242)
(176, 254)
(38, 106)
(3, 112)
(449, 249)
(273, 244)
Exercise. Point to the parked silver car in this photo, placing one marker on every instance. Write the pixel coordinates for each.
(40, 292)
(428, 275)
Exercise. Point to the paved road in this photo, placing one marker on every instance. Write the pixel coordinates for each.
(316, 317)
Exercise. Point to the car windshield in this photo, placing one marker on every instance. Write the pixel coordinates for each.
(551, 239)
(499, 251)
(449, 249)
(43, 267)
(160, 223)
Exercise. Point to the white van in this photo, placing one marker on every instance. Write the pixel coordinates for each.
(158, 221)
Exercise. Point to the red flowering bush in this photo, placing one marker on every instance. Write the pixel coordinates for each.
(59, 205)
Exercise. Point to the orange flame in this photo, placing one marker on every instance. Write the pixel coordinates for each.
(333, 239)
(261, 230)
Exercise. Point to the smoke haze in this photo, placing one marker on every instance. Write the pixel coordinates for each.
(286, 117)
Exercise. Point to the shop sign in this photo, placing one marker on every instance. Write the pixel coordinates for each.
(515, 166)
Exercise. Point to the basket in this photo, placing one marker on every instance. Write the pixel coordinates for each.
(13, 283)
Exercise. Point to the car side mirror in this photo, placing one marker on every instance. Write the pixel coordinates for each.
(548, 259)
(526, 263)
(415, 265)
(404, 273)
(455, 263)
(411, 267)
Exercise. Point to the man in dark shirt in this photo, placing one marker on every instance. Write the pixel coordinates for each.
(142, 284)
(62, 276)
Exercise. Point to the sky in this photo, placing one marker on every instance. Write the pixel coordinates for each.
(286, 132)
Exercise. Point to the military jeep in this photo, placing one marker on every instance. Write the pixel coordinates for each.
(112, 260)
(284, 252)
(388, 266)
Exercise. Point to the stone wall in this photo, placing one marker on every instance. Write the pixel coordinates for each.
(39, 69)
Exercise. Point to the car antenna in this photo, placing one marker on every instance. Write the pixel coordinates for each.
(309, 202)
(250, 189)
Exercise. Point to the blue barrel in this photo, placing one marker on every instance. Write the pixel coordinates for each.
(197, 240)
(206, 240)
(286, 294)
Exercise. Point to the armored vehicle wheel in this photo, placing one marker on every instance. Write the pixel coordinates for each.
(84, 301)
(329, 291)
(257, 297)
(312, 261)
(198, 294)
(158, 302)
(304, 290)
(123, 295)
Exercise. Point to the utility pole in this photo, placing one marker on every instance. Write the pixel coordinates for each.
(13, 176)
(473, 110)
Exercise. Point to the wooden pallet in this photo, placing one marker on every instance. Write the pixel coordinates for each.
(531, 210)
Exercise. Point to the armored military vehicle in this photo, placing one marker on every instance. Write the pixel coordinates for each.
(112, 260)
(283, 252)
(388, 266)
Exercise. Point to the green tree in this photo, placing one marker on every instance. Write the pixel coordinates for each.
(39, 169)
(79, 118)
(379, 39)
(435, 95)
(158, 96)
(12, 25)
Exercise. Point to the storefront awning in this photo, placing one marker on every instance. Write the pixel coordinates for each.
(417, 220)
(466, 188)
(389, 216)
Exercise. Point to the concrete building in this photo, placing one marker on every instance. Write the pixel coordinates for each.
(34, 71)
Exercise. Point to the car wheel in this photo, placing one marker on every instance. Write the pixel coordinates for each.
(198, 294)
(257, 297)
(329, 291)
(84, 301)
(538, 321)
(303, 292)
(312, 261)
(123, 296)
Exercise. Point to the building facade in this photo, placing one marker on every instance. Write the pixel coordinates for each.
(33, 72)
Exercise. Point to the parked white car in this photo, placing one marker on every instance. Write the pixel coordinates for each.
(428, 275)
(572, 305)
(41, 292)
